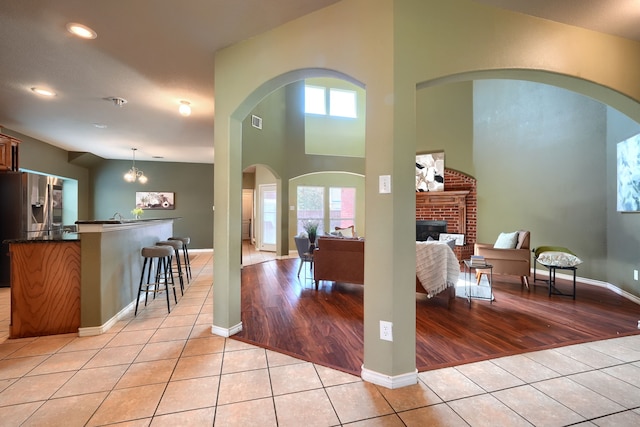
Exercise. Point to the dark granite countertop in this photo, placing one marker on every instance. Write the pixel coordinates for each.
(121, 221)
(62, 237)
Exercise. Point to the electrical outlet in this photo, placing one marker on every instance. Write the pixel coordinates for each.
(386, 331)
(635, 274)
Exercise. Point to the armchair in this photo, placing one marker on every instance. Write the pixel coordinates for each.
(305, 252)
(514, 261)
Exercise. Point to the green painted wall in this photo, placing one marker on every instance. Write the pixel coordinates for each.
(192, 184)
(540, 161)
(281, 142)
(267, 145)
(622, 235)
(338, 136)
(298, 161)
(111, 268)
(445, 123)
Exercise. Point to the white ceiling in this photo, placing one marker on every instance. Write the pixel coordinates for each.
(155, 53)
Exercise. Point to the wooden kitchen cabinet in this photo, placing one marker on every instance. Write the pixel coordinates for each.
(8, 153)
(45, 287)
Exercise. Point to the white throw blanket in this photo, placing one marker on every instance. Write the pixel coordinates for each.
(437, 266)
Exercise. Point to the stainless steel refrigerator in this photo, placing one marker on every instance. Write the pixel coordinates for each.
(30, 208)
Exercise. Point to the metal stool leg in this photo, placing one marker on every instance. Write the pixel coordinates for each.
(185, 256)
(175, 244)
(164, 262)
(144, 266)
(187, 262)
(173, 282)
(154, 279)
(179, 265)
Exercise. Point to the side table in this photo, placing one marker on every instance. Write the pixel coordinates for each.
(468, 267)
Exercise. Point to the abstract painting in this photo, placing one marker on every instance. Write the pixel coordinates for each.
(155, 200)
(628, 167)
(430, 172)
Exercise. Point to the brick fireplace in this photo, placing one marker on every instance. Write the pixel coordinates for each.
(457, 205)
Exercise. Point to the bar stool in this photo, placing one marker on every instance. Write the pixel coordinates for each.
(162, 256)
(185, 255)
(176, 245)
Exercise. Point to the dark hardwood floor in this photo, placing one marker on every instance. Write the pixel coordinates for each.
(285, 313)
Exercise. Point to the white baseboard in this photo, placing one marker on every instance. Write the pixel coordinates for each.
(226, 332)
(396, 381)
(592, 282)
(98, 330)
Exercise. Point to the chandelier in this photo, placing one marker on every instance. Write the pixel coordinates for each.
(135, 173)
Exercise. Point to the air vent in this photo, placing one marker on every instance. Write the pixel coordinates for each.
(117, 101)
(256, 122)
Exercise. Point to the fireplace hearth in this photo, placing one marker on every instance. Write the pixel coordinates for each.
(429, 228)
(457, 205)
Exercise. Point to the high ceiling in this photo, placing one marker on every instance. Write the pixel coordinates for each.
(155, 53)
(616, 17)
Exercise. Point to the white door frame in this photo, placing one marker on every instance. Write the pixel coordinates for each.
(266, 230)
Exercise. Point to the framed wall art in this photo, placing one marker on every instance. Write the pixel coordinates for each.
(628, 175)
(430, 172)
(155, 200)
(459, 238)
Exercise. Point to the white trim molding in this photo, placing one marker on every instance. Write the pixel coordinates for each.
(226, 332)
(99, 330)
(201, 250)
(592, 282)
(392, 382)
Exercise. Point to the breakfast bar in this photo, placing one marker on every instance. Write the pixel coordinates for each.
(79, 282)
(111, 267)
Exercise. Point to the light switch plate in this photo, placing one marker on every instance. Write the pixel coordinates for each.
(384, 184)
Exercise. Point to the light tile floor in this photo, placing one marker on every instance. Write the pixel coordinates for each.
(160, 369)
(252, 256)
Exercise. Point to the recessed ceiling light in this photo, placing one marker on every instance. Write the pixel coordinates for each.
(185, 108)
(100, 125)
(42, 91)
(81, 31)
